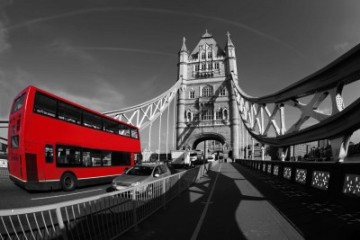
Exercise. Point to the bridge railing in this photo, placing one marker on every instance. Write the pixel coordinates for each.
(105, 216)
(334, 178)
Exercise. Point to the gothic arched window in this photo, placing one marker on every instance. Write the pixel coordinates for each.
(207, 91)
(188, 116)
(219, 114)
(225, 114)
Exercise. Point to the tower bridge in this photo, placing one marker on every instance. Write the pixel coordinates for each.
(211, 105)
(206, 102)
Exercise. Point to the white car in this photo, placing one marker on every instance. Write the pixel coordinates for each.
(211, 158)
(193, 157)
(140, 176)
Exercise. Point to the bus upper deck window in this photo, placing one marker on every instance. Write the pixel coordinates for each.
(18, 103)
(134, 133)
(49, 153)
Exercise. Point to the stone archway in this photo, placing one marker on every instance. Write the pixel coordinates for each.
(198, 138)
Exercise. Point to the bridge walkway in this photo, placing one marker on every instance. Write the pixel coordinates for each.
(234, 202)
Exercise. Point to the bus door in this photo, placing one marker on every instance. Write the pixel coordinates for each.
(48, 160)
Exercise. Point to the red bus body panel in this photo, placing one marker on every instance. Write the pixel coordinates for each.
(27, 164)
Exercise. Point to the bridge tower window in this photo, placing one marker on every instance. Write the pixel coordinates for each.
(222, 92)
(192, 94)
(189, 116)
(219, 114)
(203, 55)
(207, 91)
(208, 114)
(209, 54)
(225, 114)
(217, 66)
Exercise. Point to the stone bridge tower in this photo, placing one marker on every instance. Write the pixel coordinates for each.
(206, 105)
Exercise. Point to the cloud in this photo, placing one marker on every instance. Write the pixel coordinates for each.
(163, 11)
(342, 47)
(4, 35)
(63, 47)
(134, 50)
(11, 83)
(104, 96)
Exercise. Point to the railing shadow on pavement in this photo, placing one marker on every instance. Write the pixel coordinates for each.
(316, 212)
(224, 218)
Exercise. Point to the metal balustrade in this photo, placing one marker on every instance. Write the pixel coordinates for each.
(104, 216)
(335, 178)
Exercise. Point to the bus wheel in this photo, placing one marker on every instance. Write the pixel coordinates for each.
(68, 182)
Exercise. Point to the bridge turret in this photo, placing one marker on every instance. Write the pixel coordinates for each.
(231, 57)
(183, 60)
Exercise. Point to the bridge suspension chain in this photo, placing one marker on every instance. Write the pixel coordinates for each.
(149, 113)
(143, 114)
(265, 118)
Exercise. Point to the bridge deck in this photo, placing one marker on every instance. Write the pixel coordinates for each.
(233, 202)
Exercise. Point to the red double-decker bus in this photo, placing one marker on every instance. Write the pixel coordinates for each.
(54, 143)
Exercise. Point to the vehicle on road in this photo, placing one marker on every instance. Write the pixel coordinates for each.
(55, 143)
(141, 176)
(211, 158)
(195, 156)
(180, 158)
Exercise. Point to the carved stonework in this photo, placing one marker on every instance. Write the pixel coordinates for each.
(205, 94)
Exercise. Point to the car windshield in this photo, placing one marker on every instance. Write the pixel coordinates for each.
(140, 171)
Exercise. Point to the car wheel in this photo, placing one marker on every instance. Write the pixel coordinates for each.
(68, 182)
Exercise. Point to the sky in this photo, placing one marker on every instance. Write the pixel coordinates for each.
(108, 55)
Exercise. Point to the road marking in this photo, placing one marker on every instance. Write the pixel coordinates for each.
(208, 202)
(65, 195)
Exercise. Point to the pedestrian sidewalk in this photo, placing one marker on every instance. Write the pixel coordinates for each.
(221, 205)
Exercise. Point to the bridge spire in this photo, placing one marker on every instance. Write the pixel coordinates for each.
(231, 57)
(229, 42)
(183, 47)
(183, 60)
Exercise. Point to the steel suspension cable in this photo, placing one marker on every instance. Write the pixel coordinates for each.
(243, 137)
(174, 119)
(150, 136)
(247, 143)
(159, 135)
(167, 131)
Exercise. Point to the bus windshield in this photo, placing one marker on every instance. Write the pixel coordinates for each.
(18, 103)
